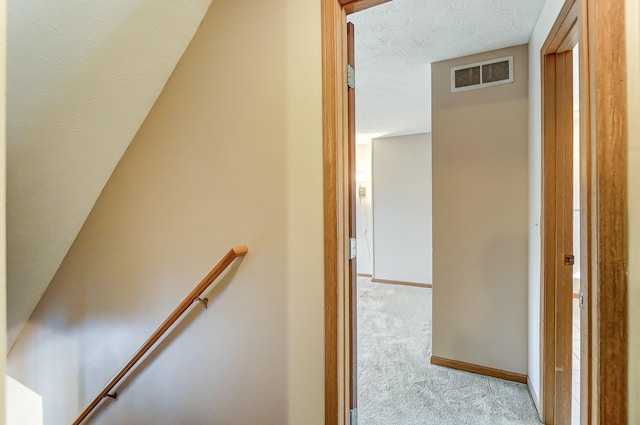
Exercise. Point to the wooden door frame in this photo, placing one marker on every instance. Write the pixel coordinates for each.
(608, 223)
(599, 27)
(556, 277)
(603, 104)
(336, 187)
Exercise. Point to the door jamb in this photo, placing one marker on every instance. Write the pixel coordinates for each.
(336, 201)
(604, 228)
(604, 63)
(557, 78)
(608, 222)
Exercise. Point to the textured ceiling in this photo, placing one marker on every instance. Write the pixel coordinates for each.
(397, 41)
(81, 78)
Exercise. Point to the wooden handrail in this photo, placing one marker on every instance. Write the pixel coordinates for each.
(169, 321)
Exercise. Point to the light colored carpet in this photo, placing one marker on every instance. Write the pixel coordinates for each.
(398, 386)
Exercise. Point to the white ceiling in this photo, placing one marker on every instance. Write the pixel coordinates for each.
(396, 42)
(81, 78)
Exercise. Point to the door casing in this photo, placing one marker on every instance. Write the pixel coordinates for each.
(557, 220)
(602, 36)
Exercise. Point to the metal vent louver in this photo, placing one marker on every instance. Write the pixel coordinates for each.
(482, 74)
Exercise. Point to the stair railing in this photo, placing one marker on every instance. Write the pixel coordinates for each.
(168, 322)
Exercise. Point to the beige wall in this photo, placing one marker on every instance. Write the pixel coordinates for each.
(633, 71)
(480, 183)
(364, 210)
(402, 237)
(230, 154)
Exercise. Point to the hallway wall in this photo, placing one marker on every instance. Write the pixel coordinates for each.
(480, 217)
(364, 210)
(402, 209)
(231, 153)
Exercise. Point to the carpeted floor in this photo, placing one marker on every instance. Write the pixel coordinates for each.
(398, 386)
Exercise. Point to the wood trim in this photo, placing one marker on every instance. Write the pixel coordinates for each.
(564, 30)
(365, 275)
(557, 156)
(609, 250)
(534, 397)
(402, 282)
(353, 6)
(603, 210)
(586, 231)
(633, 110)
(548, 246)
(335, 202)
(557, 285)
(603, 44)
(333, 120)
(564, 237)
(350, 180)
(480, 370)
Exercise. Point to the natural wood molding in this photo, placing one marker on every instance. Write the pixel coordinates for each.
(601, 34)
(333, 18)
(563, 35)
(564, 236)
(603, 162)
(353, 6)
(365, 275)
(557, 216)
(548, 247)
(480, 370)
(350, 180)
(402, 282)
(586, 230)
(336, 208)
(609, 251)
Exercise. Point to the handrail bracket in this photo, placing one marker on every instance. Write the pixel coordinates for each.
(203, 301)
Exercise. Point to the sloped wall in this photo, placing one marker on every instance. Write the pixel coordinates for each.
(230, 154)
(82, 77)
(480, 192)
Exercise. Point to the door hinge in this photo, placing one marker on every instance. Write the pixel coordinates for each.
(351, 77)
(353, 416)
(581, 300)
(352, 248)
(569, 259)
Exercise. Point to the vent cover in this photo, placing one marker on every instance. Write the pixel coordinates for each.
(482, 74)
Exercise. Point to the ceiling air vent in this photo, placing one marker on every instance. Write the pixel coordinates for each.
(482, 74)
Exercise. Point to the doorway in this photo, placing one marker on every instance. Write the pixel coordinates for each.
(485, 240)
(598, 28)
(606, 221)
